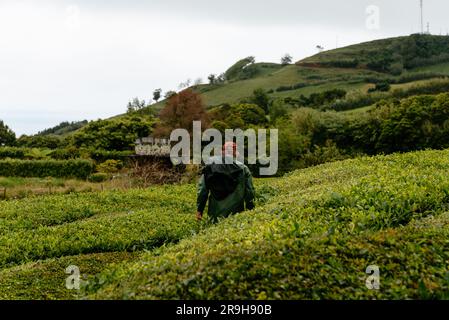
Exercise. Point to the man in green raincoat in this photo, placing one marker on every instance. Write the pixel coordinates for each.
(228, 187)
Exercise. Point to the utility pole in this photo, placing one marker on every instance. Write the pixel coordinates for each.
(428, 28)
(422, 16)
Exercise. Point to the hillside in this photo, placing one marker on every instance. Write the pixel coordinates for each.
(312, 235)
(355, 69)
(64, 128)
(350, 68)
(393, 55)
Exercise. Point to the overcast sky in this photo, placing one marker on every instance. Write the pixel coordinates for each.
(85, 59)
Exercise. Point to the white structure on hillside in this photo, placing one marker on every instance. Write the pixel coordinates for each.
(150, 146)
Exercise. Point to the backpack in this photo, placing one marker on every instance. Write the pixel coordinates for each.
(222, 179)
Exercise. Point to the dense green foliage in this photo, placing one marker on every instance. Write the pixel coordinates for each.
(7, 136)
(46, 168)
(115, 134)
(261, 99)
(238, 116)
(13, 153)
(311, 137)
(411, 124)
(88, 230)
(322, 98)
(241, 69)
(381, 86)
(48, 141)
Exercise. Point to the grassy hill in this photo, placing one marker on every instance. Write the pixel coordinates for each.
(386, 54)
(354, 69)
(64, 128)
(350, 68)
(312, 235)
(312, 79)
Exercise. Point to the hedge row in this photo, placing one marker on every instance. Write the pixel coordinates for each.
(11, 152)
(47, 168)
(64, 154)
(98, 156)
(103, 155)
(313, 238)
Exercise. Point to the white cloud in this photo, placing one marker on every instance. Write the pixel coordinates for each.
(73, 19)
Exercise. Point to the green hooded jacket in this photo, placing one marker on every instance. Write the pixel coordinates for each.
(235, 178)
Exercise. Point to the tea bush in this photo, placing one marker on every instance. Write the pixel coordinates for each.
(311, 236)
(12, 152)
(53, 210)
(312, 240)
(55, 226)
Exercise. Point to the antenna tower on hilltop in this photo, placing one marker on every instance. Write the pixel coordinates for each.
(421, 2)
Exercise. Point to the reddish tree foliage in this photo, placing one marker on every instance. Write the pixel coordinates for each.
(180, 112)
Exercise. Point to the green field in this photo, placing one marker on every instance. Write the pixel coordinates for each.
(361, 51)
(312, 236)
(317, 80)
(289, 75)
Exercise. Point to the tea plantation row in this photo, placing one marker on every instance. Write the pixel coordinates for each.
(313, 239)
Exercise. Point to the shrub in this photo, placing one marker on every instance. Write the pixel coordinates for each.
(113, 134)
(240, 116)
(98, 177)
(414, 123)
(12, 152)
(47, 142)
(103, 155)
(261, 99)
(110, 166)
(7, 136)
(381, 86)
(65, 154)
(322, 98)
(219, 125)
(240, 69)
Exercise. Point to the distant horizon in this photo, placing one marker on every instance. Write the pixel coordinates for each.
(84, 60)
